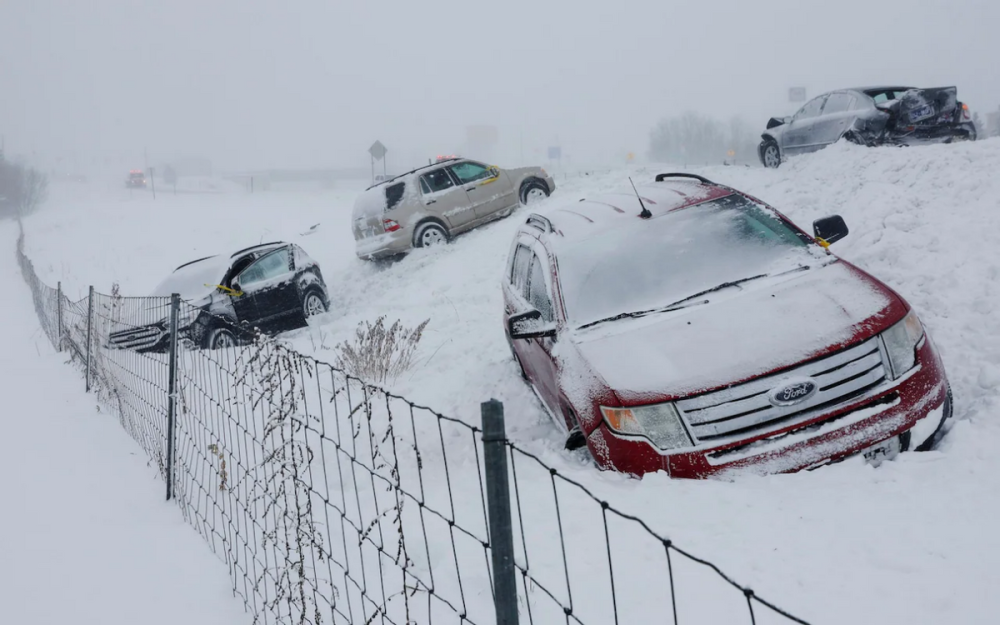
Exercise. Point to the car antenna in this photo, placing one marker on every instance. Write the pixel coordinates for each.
(645, 214)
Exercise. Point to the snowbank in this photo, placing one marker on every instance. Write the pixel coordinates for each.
(85, 535)
(828, 544)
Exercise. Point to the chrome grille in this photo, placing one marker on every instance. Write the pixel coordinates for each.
(136, 338)
(746, 408)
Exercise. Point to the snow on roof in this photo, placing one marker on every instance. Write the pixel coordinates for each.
(591, 216)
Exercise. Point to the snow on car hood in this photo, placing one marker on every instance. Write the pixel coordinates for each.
(196, 280)
(754, 331)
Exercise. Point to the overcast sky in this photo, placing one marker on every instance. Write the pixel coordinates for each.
(303, 83)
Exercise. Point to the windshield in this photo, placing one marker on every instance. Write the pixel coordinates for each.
(190, 280)
(654, 263)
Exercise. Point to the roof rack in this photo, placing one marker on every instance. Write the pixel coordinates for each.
(413, 171)
(539, 222)
(662, 177)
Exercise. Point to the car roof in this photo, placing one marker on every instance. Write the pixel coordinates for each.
(866, 90)
(570, 223)
(414, 171)
(263, 247)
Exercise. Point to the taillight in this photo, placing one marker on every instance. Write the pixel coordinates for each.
(391, 225)
(965, 111)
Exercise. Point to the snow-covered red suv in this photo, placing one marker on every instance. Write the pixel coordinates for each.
(691, 328)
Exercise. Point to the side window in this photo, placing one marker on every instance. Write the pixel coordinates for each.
(393, 195)
(838, 103)
(519, 272)
(437, 180)
(538, 291)
(470, 172)
(880, 97)
(811, 109)
(269, 267)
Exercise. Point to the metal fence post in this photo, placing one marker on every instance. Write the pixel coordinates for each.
(90, 325)
(498, 499)
(175, 305)
(59, 333)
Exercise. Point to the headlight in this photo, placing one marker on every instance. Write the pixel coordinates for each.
(901, 344)
(660, 423)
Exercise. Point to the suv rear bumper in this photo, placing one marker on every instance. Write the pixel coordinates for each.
(915, 403)
(384, 245)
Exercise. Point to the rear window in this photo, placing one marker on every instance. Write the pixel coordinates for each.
(393, 195)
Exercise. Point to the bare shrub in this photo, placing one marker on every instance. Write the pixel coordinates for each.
(379, 354)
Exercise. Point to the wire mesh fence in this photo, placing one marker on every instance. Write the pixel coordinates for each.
(334, 501)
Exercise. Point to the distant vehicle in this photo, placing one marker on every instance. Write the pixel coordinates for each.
(714, 336)
(272, 287)
(430, 205)
(136, 179)
(869, 116)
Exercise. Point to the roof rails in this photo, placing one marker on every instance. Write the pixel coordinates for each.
(662, 177)
(253, 247)
(413, 171)
(539, 222)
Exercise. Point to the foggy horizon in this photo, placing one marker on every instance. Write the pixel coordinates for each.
(260, 85)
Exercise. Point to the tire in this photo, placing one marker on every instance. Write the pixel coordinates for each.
(852, 136)
(314, 304)
(430, 234)
(770, 154)
(533, 191)
(938, 434)
(220, 338)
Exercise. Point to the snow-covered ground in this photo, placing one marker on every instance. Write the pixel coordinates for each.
(85, 534)
(910, 542)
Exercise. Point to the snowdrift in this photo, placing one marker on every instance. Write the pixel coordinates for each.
(827, 545)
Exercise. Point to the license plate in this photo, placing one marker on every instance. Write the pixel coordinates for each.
(886, 450)
(921, 113)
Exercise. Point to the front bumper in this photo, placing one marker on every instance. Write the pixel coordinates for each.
(912, 403)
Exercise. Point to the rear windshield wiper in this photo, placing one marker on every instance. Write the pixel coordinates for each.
(679, 304)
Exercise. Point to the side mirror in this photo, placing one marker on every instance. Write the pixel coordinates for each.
(530, 325)
(235, 289)
(494, 172)
(830, 229)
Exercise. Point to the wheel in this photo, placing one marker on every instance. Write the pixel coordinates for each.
(429, 235)
(770, 155)
(313, 304)
(533, 191)
(220, 338)
(935, 438)
(853, 136)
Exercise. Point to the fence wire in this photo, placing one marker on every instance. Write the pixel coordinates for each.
(333, 501)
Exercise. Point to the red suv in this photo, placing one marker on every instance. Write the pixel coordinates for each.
(691, 328)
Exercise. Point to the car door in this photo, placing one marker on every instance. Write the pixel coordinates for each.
(837, 117)
(800, 135)
(270, 286)
(444, 197)
(489, 190)
(543, 362)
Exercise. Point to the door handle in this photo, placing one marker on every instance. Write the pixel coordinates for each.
(429, 202)
(472, 188)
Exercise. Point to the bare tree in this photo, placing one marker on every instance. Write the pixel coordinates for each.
(694, 139)
(22, 188)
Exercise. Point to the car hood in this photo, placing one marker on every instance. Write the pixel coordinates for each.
(738, 336)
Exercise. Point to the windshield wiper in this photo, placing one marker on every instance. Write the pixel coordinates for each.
(679, 304)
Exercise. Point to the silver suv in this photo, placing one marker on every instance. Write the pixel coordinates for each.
(430, 205)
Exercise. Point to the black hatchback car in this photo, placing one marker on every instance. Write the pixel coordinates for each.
(273, 287)
(868, 116)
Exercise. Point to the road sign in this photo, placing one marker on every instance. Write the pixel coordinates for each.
(731, 152)
(555, 153)
(630, 157)
(797, 94)
(378, 150)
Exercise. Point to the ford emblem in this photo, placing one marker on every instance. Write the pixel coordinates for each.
(792, 392)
